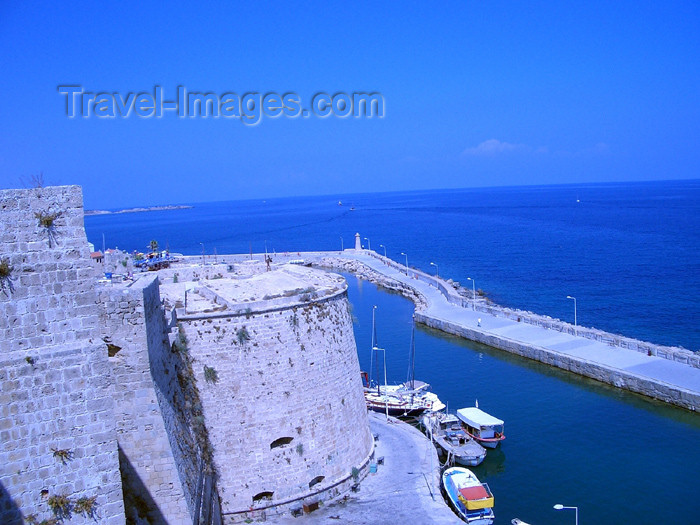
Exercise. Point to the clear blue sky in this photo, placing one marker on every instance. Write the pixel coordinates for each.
(476, 93)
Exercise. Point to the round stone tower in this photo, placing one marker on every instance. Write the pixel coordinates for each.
(279, 381)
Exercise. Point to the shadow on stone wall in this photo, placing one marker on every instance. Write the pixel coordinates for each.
(139, 506)
(9, 512)
(165, 364)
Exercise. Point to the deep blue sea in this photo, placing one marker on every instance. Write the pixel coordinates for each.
(627, 252)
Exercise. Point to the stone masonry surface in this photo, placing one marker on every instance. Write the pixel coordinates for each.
(238, 394)
(156, 449)
(286, 414)
(57, 423)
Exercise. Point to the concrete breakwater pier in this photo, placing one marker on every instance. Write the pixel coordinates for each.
(668, 374)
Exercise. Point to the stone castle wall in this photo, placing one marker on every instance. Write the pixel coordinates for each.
(194, 273)
(286, 414)
(157, 453)
(104, 401)
(57, 422)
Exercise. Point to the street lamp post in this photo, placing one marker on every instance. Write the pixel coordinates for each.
(437, 269)
(341, 245)
(382, 246)
(559, 506)
(369, 246)
(575, 319)
(473, 293)
(202, 253)
(406, 261)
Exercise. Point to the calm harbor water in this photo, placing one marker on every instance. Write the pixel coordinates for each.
(628, 252)
(621, 458)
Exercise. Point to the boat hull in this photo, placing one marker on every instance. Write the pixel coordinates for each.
(400, 402)
(451, 440)
(461, 458)
(469, 461)
(477, 511)
(488, 444)
(485, 442)
(394, 410)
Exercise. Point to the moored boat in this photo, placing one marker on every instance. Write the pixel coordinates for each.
(379, 400)
(483, 427)
(446, 431)
(471, 499)
(411, 398)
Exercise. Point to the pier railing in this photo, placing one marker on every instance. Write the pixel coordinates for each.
(672, 353)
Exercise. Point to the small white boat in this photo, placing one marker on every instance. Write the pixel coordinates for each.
(400, 400)
(411, 398)
(483, 427)
(418, 392)
(470, 498)
(452, 440)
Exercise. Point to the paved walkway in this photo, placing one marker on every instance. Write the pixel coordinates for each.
(676, 375)
(401, 491)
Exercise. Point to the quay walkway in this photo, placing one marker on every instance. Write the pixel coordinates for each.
(664, 379)
(405, 488)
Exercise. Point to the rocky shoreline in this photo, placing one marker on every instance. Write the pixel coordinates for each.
(362, 271)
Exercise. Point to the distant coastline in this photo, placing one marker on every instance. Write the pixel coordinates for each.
(136, 210)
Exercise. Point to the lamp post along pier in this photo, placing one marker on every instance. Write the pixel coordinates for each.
(575, 314)
(559, 506)
(473, 293)
(437, 269)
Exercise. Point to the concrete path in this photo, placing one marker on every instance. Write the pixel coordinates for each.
(399, 492)
(678, 376)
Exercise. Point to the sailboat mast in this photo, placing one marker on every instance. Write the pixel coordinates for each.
(411, 375)
(386, 396)
(375, 347)
(371, 350)
(379, 390)
(374, 328)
